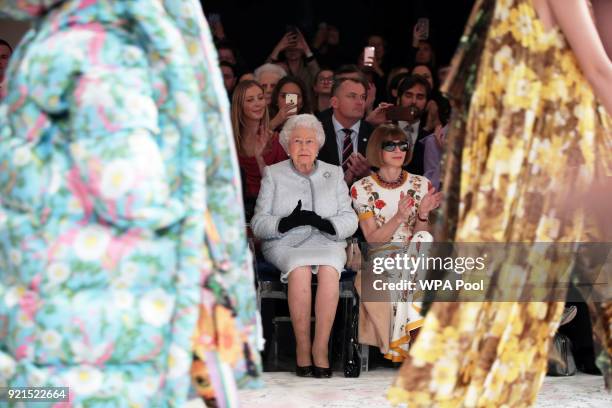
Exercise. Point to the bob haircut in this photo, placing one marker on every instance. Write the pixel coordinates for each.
(383, 133)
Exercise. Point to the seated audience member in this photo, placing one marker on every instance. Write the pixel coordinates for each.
(326, 45)
(395, 72)
(298, 57)
(216, 27)
(228, 53)
(381, 60)
(229, 76)
(353, 71)
(394, 83)
(423, 48)
(348, 71)
(268, 76)
(255, 144)
(346, 134)
(432, 155)
(280, 111)
(303, 216)
(436, 100)
(5, 54)
(425, 54)
(322, 90)
(442, 74)
(393, 206)
(414, 93)
(375, 88)
(247, 76)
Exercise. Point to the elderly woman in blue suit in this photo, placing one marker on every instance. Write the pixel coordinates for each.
(303, 216)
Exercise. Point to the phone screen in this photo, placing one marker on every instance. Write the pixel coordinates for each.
(396, 113)
(368, 56)
(424, 25)
(292, 99)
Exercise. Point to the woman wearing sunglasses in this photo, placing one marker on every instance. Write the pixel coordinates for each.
(393, 205)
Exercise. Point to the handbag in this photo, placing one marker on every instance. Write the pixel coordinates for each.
(561, 362)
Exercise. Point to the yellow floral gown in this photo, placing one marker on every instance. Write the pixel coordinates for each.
(527, 138)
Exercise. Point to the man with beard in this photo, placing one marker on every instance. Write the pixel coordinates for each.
(414, 92)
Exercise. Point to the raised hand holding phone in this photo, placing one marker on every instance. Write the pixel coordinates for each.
(368, 56)
(291, 99)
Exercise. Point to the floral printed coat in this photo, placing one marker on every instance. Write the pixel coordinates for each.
(118, 179)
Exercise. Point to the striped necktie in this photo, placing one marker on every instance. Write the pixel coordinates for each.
(347, 148)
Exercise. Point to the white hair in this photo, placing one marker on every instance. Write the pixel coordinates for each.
(306, 121)
(275, 69)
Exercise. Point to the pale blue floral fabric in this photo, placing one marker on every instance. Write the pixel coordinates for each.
(119, 202)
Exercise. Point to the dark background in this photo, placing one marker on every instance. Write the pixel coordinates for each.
(255, 26)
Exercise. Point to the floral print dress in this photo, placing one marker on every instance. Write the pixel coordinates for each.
(372, 199)
(527, 137)
(122, 243)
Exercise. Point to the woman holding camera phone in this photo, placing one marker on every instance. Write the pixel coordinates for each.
(289, 97)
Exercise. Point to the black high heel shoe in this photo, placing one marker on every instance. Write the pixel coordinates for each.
(305, 371)
(320, 372)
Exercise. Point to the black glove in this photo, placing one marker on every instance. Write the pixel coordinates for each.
(292, 220)
(314, 219)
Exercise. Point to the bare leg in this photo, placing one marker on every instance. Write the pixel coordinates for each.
(300, 298)
(325, 312)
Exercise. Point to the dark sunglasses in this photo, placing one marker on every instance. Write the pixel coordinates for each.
(389, 146)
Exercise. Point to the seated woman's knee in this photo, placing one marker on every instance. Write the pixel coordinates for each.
(328, 274)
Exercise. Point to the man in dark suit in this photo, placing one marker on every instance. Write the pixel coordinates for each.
(346, 133)
(414, 92)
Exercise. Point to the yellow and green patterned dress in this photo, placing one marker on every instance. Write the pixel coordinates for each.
(527, 140)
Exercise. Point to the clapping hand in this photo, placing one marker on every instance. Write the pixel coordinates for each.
(262, 139)
(430, 202)
(359, 165)
(405, 203)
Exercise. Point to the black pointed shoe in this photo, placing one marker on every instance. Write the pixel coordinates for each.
(305, 371)
(320, 372)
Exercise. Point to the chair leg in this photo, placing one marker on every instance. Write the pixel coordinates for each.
(346, 326)
(365, 352)
(275, 346)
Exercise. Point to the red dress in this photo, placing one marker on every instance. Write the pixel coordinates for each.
(250, 169)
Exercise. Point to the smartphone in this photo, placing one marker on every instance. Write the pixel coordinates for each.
(396, 113)
(423, 23)
(368, 56)
(292, 99)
